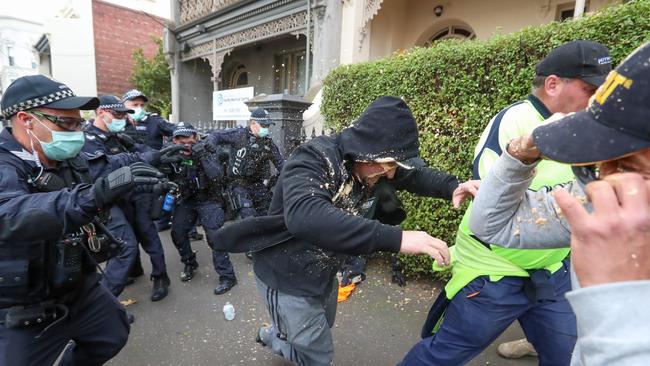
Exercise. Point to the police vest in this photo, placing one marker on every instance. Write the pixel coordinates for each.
(35, 271)
(250, 160)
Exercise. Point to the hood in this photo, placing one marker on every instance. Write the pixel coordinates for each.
(386, 131)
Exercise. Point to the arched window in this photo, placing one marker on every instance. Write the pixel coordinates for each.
(239, 76)
(451, 32)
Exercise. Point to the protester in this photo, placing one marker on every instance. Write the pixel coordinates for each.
(490, 286)
(609, 137)
(316, 219)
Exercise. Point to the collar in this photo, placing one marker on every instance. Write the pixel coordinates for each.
(9, 143)
(539, 106)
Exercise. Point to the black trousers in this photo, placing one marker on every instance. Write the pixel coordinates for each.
(96, 322)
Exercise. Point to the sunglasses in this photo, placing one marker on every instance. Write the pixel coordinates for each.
(67, 123)
(586, 174)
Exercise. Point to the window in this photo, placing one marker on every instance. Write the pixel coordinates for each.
(289, 71)
(565, 11)
(10, 56)
(451, 32)
(239, 77)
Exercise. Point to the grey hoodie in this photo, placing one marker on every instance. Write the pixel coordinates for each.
(614, 319)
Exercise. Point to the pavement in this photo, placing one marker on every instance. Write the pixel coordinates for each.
(376, 326)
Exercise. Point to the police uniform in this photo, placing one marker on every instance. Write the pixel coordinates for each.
(136, 207)
(49, 291)
(200, 178)
(249, 171)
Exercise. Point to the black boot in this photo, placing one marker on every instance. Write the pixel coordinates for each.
(160, 287)
(225, 285)
(188, 271)
(196, 236)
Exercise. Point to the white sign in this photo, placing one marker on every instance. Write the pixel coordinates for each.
(228, 105)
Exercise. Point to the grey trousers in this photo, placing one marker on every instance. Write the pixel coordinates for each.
(300, 331)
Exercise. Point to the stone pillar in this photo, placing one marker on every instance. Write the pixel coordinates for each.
(172, 56)
(286, 111)
(327, 15)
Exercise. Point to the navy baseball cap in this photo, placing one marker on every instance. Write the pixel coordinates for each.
(35, 91)
(615, 123)
(113, 103)
(585, 60)
(134, 93)
(184, 129)
(261, 116)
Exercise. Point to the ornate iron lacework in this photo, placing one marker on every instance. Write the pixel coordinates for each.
(288, 24)
(195, 9)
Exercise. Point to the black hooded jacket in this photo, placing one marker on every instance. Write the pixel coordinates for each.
(315, 211)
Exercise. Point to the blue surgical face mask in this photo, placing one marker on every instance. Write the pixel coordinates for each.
(263, 132)
(138, 113)
(117, 125)
(64, 145)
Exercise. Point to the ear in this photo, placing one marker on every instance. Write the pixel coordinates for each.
(553, 85)
(26, 119)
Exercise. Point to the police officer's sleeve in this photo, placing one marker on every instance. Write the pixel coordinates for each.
(278, 159)
(102, 165)
(425, 181)
(166, 128)
(41, 216)
(310, 215)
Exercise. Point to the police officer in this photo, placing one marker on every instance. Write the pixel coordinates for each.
(146, 128)
(49, 291)
(249, 170)
(200, 178)
(105, 134)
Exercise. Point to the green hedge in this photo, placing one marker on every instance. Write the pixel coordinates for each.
(455, 87)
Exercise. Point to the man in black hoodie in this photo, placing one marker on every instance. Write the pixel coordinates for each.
(316, 219)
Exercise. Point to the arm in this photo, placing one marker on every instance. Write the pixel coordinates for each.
(505, 212)
(278, 159)
(425, 181)
(166, 128)
(612, 320)
(310, 215)
(41, 216)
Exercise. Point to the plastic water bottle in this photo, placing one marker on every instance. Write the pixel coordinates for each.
(229, 311)
(168, 204)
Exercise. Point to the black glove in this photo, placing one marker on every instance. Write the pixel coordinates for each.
(167, 155)
(126, 140)
(118, 183)
(202, 148)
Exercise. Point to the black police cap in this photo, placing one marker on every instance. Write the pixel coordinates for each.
(35, 91)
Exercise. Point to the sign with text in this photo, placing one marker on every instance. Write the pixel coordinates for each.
(228, 105)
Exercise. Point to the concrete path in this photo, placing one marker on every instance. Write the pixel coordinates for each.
(376, 326)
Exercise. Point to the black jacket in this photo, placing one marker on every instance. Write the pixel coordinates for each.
(314, 217)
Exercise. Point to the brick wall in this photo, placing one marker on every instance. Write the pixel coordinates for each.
(118, 31)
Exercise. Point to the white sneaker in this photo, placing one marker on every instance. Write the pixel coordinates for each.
(516, 349)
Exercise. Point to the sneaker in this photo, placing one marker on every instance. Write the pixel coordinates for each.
(225, 285)
(160, 287)
(188, 271)
(516, 349)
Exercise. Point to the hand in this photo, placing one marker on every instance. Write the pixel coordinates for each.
(613, 243)
(126, 140)
(523, 148)
(120, 182)
(201, 148)
(464, 191)
(419, 242)
(167, 155)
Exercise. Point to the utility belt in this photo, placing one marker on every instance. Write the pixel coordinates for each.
(45, 313)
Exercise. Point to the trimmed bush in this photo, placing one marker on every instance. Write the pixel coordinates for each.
(455, 87)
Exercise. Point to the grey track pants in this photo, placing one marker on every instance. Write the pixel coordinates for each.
(301, 325)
